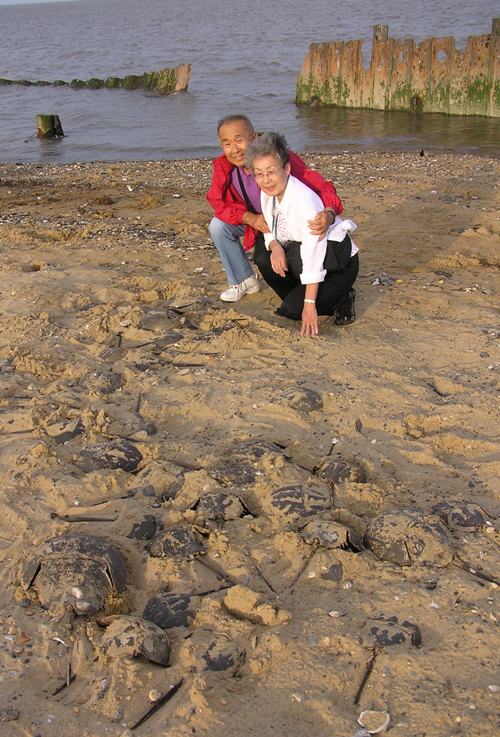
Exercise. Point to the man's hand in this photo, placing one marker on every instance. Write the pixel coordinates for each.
(309, 321)
(320, 224)
(257, 222)
(278, 258)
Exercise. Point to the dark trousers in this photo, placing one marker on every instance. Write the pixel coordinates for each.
(331, 292)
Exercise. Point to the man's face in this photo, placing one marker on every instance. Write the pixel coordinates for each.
(234, 139)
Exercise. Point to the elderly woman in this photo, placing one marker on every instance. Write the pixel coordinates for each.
(313, 276)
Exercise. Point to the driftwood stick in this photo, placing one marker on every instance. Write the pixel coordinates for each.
(304, 566)
(474, 572)
(368, 669)
(164, 699)
(80, 518)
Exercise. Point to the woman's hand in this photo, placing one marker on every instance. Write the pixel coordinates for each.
(278, 258)
(309, 321)
(320, 224)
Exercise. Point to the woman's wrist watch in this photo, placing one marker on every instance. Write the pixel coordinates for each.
(309, 301)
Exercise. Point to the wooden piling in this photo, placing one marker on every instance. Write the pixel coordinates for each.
(48, 126)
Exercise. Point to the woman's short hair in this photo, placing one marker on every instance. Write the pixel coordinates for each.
(267, 144)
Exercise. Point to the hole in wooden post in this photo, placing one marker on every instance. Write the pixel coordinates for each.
(442, 56)
(416, 104)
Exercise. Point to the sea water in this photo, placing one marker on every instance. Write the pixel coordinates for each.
(245, 57)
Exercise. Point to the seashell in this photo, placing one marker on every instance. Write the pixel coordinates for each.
(374, 722)
(154, 695)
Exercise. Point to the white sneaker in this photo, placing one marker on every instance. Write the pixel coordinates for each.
(236, 291)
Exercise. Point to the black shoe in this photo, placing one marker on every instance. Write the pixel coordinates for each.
(345, 313)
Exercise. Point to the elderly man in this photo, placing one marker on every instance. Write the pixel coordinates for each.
(235, 198)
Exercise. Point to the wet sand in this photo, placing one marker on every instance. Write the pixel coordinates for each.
(111, 331)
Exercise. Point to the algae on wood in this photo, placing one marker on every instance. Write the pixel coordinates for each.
(163, 82)
(432, 76)
(48, 126)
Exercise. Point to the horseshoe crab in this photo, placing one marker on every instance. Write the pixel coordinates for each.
(117, 454)
(338, 471)
(388, 631)
(220, 507)
(82, 571)
(159, 319)
(130, 637)
(257, 448)
(297, 502)
(222, 654)
(408, 536)
(303, 399)
(181, 541)
(212, 651)
(105, 382)
(329, 534)
(145, 529)
(168, 610)
(457, 513)
(235, 474)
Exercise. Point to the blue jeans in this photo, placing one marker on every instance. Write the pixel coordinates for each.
(226, 239)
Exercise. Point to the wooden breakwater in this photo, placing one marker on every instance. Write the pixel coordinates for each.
(431, 76)
(164, 81)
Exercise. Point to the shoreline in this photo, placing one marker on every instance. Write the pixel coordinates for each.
(111, 330)
(341, 149)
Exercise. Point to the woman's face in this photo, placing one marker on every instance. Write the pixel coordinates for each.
(270, 175)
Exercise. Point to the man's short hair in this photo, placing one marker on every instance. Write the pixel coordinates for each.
(235, 119)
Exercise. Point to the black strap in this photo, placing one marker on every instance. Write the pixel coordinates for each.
(249, 205)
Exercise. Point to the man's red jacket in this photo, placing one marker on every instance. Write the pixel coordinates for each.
(230, 207)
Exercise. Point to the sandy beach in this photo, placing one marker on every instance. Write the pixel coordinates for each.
(201, 442)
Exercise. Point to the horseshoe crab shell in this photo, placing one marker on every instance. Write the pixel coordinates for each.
(330, 534)
(297, 502)
(220, 507)
(338, 471)
(179, 541)
(257, 448)
(80, 570)
(222, 654)
(457, 513)
(409, 536)
(117, 454)
(387, 631)
(212, 651)
(129, 637)
(168, 609)
(303, 399)
(235, 474)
